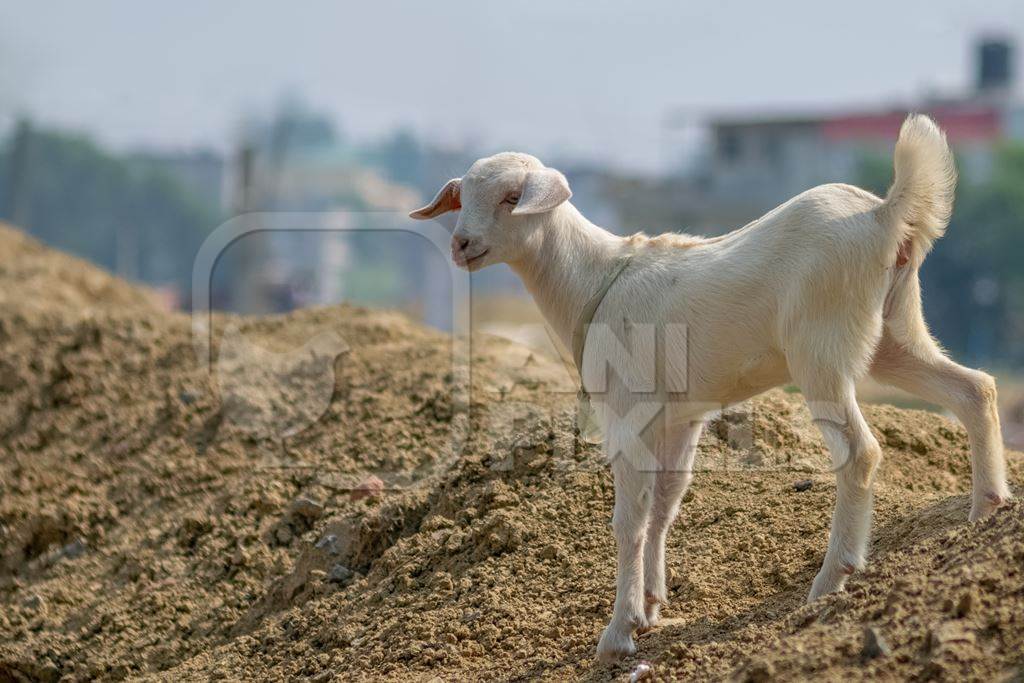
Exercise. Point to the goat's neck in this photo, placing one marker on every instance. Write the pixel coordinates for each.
(565, 262)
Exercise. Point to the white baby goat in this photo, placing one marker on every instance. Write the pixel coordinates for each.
(820, 291)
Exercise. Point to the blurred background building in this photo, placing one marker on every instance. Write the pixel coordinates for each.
(763, 159)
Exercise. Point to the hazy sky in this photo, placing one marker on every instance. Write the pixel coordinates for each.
(592, 79)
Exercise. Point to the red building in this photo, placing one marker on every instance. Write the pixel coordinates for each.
(758, 161)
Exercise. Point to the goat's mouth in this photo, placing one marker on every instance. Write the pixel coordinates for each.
(473, 262)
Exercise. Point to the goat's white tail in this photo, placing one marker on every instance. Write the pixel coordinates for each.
(920, 200)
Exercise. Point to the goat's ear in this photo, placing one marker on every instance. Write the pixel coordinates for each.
(543, 190)
(447, 199)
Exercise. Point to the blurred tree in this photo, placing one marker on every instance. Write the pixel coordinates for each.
(139, 222)
(399, 156)
(297, 130)
(973, 282)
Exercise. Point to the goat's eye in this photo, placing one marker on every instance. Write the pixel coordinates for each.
(512, 199)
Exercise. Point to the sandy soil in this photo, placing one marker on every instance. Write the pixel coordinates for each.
(161, 521)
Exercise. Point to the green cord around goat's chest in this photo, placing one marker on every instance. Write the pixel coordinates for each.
(586, 419)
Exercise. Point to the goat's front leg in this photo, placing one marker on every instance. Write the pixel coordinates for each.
(633, 494)
(676, 458)
(855, 457)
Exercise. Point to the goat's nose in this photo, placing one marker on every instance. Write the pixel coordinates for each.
(460, 243)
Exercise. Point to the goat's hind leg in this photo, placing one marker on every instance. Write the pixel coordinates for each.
(907, 357)
(968, 394)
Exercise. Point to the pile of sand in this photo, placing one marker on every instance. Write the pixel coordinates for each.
(159, 519)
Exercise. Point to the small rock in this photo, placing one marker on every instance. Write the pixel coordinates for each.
(283, 535)
(339, 574)
(34, 602)
(874, 644)
(641, 672)
(188, 397)
(371, 487)
(317, 574)
(307, 509)
(803, 485)
(74, 549)
(329, 544)
(549, 552)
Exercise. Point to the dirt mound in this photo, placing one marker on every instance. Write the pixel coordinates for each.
(35, 277)
(164, 518)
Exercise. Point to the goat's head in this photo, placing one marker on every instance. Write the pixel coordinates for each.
(502, 201)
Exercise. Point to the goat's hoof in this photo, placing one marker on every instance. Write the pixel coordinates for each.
(830, 582)
(983, 506)
(652, 613)
(615, 645)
